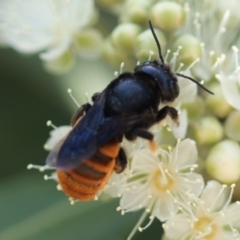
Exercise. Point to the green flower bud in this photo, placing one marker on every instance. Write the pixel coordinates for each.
(146, 43)
(88, 43)
(136, 11)
(138, 15)
(190, 51)
(194, 113)
(124, 36)
(216, 103)
(110, 4)
(60, 65)
(223, 161)
(114, 56)
(208, 130)
(169, 16)
(232, 126)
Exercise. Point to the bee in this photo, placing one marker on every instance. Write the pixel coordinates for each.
(86, 158)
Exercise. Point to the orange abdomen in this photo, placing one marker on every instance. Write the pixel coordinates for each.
(90, 177)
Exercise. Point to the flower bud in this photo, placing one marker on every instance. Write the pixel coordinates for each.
(124, 36)
(135, 11)
(146, 43)
(60, 65)
(223, 161)
(88, 43)
(232, 125)
(190, 49)
(114, 56)
(194, 113)
(216, 103)
(169, 16)
(208, 130)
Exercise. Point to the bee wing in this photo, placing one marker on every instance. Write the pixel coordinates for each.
(81, 142)
(115, 126)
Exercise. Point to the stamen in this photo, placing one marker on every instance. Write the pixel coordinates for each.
(73, 200)
(218, 62)
(121, 67)
(180, 67)
(50, 124)
(140, 229)
(72, 97)
(167, 54)
(235, 53)
(50, 177)
(193, 63)
(140, 221)
(175, 56)
(222, 27)
(229, 197)
(216, 198)
(151, 53)
(185, 208)
(40, 168)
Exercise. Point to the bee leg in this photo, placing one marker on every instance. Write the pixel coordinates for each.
(143, 133)
(139, 132)
(95, 96)
(80, 112)
(121, 161)
(172, 112)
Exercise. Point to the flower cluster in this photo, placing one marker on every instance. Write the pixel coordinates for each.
(199, 39)
(57, 29)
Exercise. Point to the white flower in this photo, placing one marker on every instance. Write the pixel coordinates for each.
(212, 218)
(49, 25)
(162, 181)
(230, 81)
(214, 23)
(56, 135)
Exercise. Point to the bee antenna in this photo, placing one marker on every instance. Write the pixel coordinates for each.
(157, 42)
(195, 81)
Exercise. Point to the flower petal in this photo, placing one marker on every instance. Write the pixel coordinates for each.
(185, 153)
(232, 214)
(180, 227)
(210, 195)
(56, 135)
(230, 88)
(180, 130)
(164, 208)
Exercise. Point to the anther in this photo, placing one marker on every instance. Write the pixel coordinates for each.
(50, 124)
(72, 97)
(118, 208)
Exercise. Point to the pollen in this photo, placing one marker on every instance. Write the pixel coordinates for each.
(162, 180)
(152, 145)
(205, 228)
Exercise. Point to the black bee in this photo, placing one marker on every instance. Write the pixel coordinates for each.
(128, 106)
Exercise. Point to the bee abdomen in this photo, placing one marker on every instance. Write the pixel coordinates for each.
(89, 178)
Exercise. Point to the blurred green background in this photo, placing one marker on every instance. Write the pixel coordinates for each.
(30, 207)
